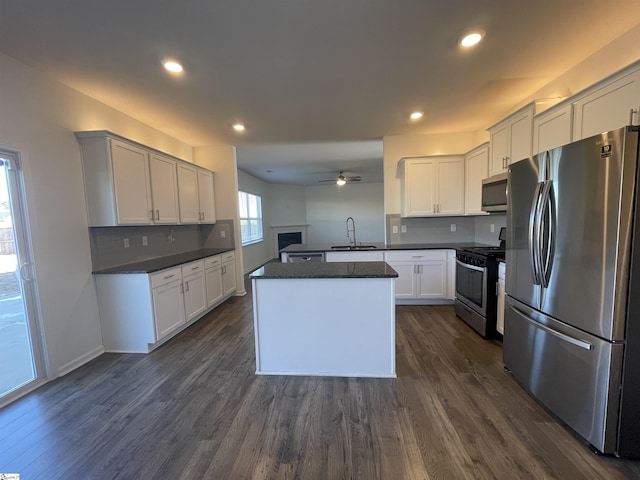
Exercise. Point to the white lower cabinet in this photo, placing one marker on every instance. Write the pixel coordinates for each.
(195, 292)
(423, 275)
(168, 302)
(213, 280)
(139, 311)
(228, 273)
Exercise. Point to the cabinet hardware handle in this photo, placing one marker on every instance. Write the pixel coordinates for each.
(168, 276)
(632, 113)
(187, 286)
(195, 268)
(157, 215)
(151, 215)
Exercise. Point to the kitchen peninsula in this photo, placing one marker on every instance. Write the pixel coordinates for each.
(333, 319)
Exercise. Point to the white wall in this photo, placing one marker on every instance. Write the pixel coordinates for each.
(38, 118)
(287, 205)
(329, 206)
(222, 160)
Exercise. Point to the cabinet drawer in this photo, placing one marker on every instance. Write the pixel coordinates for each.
(214, 261)
(166, 276)
(416, 255)
(192, 267)
(228, 257)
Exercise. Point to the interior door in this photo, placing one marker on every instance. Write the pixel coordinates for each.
(19, 335)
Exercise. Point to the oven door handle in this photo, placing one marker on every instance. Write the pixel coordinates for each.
(470, 267)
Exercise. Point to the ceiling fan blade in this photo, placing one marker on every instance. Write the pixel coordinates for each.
(331, 180)
(353, 179)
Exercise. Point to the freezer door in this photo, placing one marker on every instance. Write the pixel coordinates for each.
(523, 194)
(592, 192)
(575, 375)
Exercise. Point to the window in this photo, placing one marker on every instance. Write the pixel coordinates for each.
(250, 217)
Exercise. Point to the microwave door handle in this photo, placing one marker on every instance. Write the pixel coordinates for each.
(533, 234)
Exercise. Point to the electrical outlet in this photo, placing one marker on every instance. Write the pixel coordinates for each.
(395, 229)
(403, 229)
(126, 243)
(453, 227)
(493, 228)
(223, 234)
(145, 241)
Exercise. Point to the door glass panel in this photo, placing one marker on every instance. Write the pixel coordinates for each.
(17, 367)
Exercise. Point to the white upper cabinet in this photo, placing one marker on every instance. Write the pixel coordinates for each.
(433, 186)
(129, 184)
(164, 189)
(511, 139)
(608, 105)
(188, 194)
(196, 194)
(552, 128)
(476, 166)
(206, 196)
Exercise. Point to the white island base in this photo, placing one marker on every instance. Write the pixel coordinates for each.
(325, 326)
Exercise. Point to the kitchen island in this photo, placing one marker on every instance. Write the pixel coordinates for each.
(333, 319)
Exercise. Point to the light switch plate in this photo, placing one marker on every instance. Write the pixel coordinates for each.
(145, 241)
(453, 227)
(403, 229)
(395, 229)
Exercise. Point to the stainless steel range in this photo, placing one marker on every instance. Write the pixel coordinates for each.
(476, 286)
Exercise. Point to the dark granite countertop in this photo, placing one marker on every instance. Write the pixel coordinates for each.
(160, 263)
(326, 247)
(325, 270)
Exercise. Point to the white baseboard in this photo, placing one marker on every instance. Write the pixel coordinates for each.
(81, 360)
(329, 374)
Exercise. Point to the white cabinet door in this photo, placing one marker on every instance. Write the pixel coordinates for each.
(511, 139)
(552, 129)
(367, 256)
(188, 194)
(420, 187)
(164, 189)
(213, 280)
(168, 308)
(195, 292)
(476, 169)
(450, 186)
(206, 197)
(228, 273)
(499, 149)
(607, 106)
(132, 190)
(432, 279)
(520, 136)
(405, 283)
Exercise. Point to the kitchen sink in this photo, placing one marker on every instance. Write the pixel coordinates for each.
(352, 247)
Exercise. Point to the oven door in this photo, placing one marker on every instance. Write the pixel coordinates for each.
(471, 286)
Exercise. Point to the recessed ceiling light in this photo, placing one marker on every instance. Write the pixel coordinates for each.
(173, 67)
(471, 39)
(238, 127)
(416, 115)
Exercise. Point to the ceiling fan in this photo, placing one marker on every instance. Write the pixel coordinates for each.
(341, 179)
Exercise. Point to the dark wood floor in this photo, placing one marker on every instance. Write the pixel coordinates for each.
(195, 409)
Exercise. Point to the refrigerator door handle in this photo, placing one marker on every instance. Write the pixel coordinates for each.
(555, 333)
(534, 234)
(547, 233)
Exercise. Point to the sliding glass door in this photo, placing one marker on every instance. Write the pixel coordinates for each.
(18, 332)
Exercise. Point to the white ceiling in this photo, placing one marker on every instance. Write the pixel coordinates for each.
(323, 72)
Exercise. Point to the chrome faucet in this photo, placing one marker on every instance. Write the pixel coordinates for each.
(352, 229)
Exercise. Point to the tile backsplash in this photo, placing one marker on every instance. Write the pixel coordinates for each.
(439, 229)
(108, 243)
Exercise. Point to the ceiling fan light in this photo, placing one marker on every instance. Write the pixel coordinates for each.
(341, 181)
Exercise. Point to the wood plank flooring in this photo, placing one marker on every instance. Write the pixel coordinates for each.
(194, 409)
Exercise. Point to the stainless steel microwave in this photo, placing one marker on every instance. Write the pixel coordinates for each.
(494, 193)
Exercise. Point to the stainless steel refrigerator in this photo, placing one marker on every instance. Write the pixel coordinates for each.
(572, 317)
